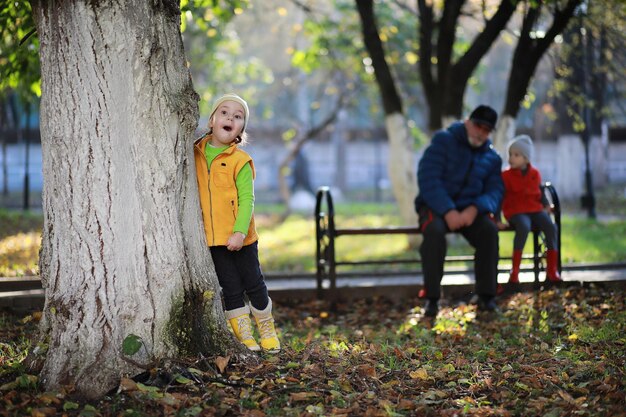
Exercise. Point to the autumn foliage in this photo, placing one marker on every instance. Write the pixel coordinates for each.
(552, 353)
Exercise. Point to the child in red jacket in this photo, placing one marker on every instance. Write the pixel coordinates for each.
(524, 206)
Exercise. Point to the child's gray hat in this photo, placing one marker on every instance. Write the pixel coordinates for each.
(523, 144)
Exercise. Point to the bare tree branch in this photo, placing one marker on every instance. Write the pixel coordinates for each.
(305, 136)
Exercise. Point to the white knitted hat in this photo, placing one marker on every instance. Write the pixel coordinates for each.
(524, 145)
(235, 98)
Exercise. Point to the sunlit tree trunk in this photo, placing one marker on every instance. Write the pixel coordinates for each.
(123, 250)
(503, 134)
(401, 165)
(448, 120)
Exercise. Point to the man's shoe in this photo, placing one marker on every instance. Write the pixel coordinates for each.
(431, 308)
(487, 303)
(512, 288)
(500, 289)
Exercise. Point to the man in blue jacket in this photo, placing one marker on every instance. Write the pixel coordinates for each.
(460, 189)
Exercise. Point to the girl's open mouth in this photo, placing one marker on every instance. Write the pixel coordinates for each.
(227, 128)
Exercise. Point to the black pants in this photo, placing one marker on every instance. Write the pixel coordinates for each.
(523, 222)
(482, 235)
(239, 272)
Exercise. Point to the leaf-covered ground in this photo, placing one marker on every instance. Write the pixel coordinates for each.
(553, 353)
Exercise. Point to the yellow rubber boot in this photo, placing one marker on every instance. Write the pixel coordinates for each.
(241, 324)
(265, 323)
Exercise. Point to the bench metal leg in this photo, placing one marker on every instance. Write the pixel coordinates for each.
(536, 260)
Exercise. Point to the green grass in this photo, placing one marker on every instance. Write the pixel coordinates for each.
(20, 239)
(14, 222)
(585, 240)
(288, 245)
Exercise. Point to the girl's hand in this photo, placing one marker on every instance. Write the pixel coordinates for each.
(501, 226)
(235, 241)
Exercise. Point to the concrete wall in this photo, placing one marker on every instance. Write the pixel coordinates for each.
(561, 162)
(363, 165)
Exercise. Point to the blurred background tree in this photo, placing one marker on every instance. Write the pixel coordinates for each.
(20, 82)
(309, 72)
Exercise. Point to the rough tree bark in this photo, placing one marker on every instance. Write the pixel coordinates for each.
(402, 166)
(123, 250)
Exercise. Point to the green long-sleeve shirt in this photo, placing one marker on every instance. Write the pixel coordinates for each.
(245, 189)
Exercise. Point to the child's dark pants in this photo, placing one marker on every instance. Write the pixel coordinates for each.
(239, 272)
(522, 224)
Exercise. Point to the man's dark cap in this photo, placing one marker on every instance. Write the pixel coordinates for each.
(485, 115)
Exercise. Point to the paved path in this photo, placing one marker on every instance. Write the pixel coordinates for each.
(454, 284)
(26, 294)
(309, 281)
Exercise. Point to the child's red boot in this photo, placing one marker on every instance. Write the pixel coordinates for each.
(516, 260)
(552, 268)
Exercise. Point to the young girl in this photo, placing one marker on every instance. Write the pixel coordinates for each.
(225, 181)
(524, 205)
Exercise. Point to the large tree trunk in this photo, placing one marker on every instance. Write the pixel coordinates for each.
(465, 66)
(528, 53)
(444, 81)
(503, 134)
(123, 250)
(401, 166)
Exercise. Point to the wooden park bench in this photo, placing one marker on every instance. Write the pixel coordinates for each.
(326, 231)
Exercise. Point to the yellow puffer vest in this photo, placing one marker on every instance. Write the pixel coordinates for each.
(218, 192)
